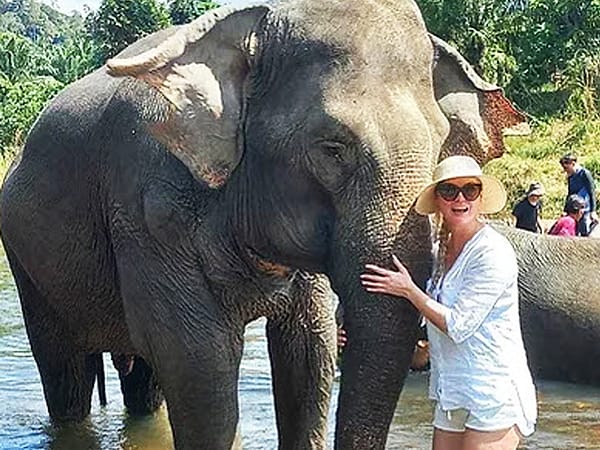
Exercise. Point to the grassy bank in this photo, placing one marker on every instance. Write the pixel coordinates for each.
(535, 158)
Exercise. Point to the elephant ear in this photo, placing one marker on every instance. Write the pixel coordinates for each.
(478, 112)
(200, 69)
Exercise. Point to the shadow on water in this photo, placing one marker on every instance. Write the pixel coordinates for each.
(569, 414)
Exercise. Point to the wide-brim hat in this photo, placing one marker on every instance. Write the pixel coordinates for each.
(493, 195)
(535, 189)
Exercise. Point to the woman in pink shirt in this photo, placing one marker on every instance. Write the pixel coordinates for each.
(567, 225)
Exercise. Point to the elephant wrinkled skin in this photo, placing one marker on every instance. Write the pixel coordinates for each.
(559, 303)
(208, 176)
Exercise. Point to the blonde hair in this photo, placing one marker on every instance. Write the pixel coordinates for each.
(441, 236)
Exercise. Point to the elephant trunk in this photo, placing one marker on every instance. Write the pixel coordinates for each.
(381, 330)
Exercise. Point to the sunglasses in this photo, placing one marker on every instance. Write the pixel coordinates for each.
(449, 191)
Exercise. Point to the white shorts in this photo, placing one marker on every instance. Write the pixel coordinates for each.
(492, 419)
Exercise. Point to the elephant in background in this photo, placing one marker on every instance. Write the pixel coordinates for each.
(559, 299)
(229, 169)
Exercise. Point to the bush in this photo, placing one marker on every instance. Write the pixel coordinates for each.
(20, 106)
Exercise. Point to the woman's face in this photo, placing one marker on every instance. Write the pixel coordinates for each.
(457, 208)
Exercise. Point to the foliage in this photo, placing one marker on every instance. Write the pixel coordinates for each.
(70, 60)
(21, 104)
(118, 23)
(479, 29)
(16, 54)
(184, 11)
(544, 52)
(9, 22)
(36, 20)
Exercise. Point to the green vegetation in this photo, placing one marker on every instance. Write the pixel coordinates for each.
(184, 11)
(535, 158)
(118, 23)
(543, 52)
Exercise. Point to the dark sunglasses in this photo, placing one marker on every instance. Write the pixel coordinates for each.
(449, 191)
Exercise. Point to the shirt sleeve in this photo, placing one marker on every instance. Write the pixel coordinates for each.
(488, 274)
(516, 210)
(591, 188)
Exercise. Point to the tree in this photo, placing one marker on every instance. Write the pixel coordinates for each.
(184, 11)
(118, 23)
(20, 105)
(17, 54)
(544, 52)
(69, 59)
(9, 22)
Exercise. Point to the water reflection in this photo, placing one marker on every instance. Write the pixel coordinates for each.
(569, 414)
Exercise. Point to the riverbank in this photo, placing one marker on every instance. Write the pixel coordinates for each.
(535, 158)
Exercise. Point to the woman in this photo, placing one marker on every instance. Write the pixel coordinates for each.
(567, 224)
(480, 382)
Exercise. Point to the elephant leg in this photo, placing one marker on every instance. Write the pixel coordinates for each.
(195, 354)
(200, 382)
(192, 342)
(302, 350)
(141, 393)
(67, 374)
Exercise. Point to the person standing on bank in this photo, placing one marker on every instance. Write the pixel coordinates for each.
(480, 381)
(529, 209)
(581, 183)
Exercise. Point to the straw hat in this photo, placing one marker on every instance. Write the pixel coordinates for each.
(493, 195)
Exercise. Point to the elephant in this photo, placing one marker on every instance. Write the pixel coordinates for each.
(559, 303)
(236, 167)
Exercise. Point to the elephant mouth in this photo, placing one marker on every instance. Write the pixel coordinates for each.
(267, 266)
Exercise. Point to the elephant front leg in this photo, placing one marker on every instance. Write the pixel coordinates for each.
(196, 362)
(302, 351)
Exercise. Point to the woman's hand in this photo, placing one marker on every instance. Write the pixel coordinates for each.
(383, 281)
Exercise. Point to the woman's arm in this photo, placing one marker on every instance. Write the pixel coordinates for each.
(400, 284)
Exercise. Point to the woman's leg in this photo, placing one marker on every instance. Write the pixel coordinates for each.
(491, 440)
(447, 440)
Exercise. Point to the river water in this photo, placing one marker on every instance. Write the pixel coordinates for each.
(569, 414)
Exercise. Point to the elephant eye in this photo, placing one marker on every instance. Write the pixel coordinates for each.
(333, 149)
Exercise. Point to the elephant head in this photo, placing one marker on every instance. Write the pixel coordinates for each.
(315, 124)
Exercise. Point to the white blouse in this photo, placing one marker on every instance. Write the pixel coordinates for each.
(481, 362)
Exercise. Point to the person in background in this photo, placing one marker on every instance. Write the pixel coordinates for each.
(528, 210)
(567, 224)
(479, 381)
(581, 183)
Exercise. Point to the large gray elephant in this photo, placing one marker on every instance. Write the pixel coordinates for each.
(210, 175)
(560, 304)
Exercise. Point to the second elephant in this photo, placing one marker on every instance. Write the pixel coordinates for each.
(559, 293)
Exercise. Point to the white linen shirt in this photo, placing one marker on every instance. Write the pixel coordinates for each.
(480, 364)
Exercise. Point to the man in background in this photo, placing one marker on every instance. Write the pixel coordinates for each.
(528, 210)
(581, 183)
